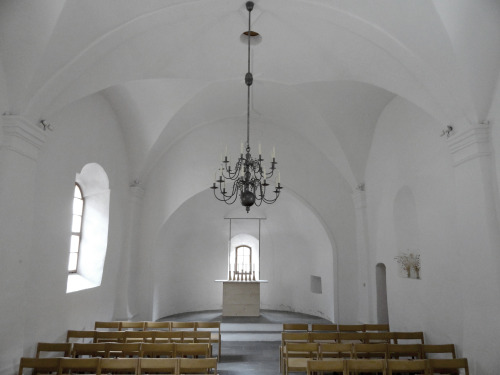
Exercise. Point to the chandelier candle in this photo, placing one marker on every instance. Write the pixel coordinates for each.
(248, 177)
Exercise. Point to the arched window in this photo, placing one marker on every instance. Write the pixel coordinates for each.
(244, 260)
(76, 229)
(89, 232)
(244, 257)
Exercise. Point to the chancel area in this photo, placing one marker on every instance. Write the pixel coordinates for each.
(372, 127)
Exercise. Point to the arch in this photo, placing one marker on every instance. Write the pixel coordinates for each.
(162, 204)
(421, 84)
(245, 240)
(94, 183)
(189, 258)
(287, 118)
(381, 282)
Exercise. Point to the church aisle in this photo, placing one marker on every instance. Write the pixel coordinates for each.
(250, 345)
(249, 358)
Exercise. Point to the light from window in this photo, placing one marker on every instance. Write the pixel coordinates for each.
(244, 259)
(76, 229)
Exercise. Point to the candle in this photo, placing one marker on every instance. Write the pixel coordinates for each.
(226, 151)
(273, 155)
(260, 149)
(241, 148)
(279, 177)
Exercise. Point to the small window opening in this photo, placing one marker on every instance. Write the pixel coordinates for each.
(316, 285)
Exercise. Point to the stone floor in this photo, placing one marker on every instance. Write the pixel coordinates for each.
(250, 345)
(249, 358)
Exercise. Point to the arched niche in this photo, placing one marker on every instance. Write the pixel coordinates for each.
(191, 252)
(382, 307)
(406, 221)
(407, 233)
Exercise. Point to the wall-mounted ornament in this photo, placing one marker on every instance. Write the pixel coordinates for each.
(447, 131)
(409, 265)
(44, 125)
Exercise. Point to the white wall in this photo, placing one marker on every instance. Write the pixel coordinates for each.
(494, 119)
(409, 155)
(84, 132)
(192, 251)
(180, 174)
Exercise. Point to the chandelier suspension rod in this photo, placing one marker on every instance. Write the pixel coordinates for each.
(249, 83)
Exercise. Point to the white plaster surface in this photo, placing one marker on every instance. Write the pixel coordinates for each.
(365, 103)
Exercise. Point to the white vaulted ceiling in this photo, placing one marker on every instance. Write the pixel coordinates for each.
(324, 70)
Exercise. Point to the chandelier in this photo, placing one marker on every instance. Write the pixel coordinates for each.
(248, 179)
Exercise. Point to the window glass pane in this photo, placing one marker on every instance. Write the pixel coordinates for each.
(76, 228)
(243, 255)
(77, 206)
(75, 244)
(73, 257)
(78, 193)
(77, 224)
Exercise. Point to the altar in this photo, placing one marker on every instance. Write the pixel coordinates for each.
(241, 288)
(241, 298)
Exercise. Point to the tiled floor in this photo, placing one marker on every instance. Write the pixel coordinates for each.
(250, 346)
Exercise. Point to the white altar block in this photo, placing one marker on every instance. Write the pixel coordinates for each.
(241, 298)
